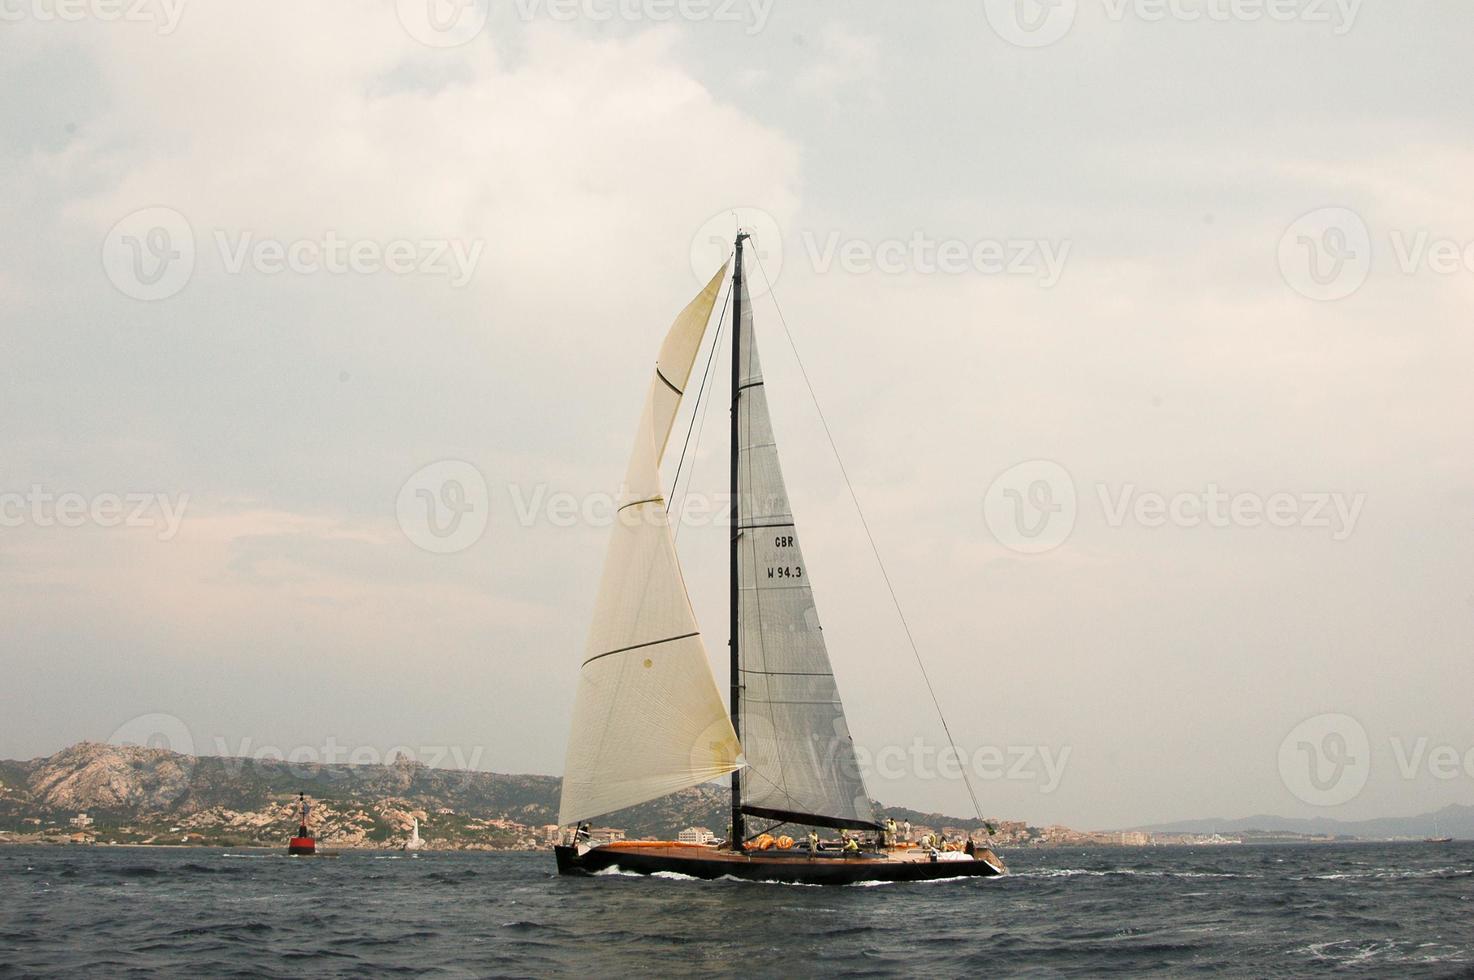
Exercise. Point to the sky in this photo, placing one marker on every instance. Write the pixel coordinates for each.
(1142, 329)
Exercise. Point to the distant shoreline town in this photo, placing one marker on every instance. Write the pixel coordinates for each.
(95, 794)
(82, 829)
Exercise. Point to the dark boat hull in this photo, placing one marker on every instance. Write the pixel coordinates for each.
(793, 867)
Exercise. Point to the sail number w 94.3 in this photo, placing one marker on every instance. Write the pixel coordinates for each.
(785, 571)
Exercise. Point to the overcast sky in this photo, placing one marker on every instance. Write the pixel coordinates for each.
(1204, 268)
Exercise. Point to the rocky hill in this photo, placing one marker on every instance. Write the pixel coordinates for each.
(133, 794)
(138, 795)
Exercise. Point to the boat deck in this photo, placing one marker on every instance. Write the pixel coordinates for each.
(711, 852)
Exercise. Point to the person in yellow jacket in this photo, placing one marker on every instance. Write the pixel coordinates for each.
(813, 841)
(890, 831)
(851, 846)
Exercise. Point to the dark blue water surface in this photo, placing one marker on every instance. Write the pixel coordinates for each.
(1374, 909)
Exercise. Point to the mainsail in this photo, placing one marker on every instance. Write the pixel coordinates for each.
(647, 719)
(800, 758)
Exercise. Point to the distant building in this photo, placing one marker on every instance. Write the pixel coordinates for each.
(606, 834)
(696, 835)
(81, 821)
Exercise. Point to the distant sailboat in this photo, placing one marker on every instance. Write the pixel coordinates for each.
(1438, 837)
(648, 719)
(414, 843)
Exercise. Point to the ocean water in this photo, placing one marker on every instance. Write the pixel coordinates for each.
(1372, 909)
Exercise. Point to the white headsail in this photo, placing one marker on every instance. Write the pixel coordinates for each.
(648, 719)
(800, 759)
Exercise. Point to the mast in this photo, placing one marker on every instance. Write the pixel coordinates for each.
(739, 826)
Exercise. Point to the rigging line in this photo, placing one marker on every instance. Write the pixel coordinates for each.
(690, 428)
(874, 549)
(716, 342)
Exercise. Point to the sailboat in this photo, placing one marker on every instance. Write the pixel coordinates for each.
(648, 717)
(414, 843)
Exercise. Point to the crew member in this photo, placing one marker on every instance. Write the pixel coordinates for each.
(813, 841)
(890, 831)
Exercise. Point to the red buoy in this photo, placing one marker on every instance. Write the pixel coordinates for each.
(303, 842)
